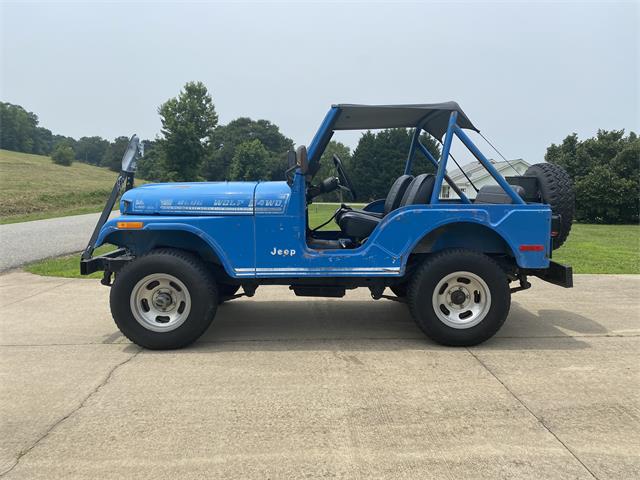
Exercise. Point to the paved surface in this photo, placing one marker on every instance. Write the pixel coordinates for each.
(25, 242)
(281, 387)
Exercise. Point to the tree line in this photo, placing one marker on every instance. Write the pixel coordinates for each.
(605, 171)
(193, 146)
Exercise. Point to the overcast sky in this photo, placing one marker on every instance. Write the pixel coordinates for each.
(526, 73)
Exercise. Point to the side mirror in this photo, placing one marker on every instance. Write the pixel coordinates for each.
(131, 155)
(301, 159)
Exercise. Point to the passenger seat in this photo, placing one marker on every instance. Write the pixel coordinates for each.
(359, 224)
(394, 197)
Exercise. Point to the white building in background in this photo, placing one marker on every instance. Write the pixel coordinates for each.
(480, 177)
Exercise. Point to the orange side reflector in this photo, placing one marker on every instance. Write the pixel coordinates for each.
(130, 225)
(531, 248)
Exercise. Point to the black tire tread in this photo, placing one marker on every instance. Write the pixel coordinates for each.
(192, 261)
(557, 190)
(424, 269)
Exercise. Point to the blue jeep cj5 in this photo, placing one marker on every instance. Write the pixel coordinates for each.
(184, 248)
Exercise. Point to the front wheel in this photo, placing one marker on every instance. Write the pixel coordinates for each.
(459, 297)
(164, 300)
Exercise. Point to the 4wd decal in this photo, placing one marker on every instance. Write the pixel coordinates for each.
(272, 204)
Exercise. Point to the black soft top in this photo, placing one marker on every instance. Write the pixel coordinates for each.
(434, 115)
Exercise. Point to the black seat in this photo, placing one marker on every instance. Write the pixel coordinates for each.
(359, 224)
(396, 193)
(420, 190)
(394, 197)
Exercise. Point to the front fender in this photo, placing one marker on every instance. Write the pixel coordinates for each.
(197, 226)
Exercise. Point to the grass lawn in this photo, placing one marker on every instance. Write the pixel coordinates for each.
(589, 249)
(33, 188)
(321, 212)
(601, 249)
(67, 266)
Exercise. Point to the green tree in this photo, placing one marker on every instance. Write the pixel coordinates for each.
(226, 139)
(63, 155)
(43, 141)
(606, 197)
(380, 158)
(626, 163)
(18, 128)
(112, 157)
(151, 166)
(91, 149)
(249, 161)
(606, 173)
(63, 140)
(188, 122)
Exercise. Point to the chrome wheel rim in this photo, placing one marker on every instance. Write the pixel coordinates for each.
(160, 302)
(461, 300)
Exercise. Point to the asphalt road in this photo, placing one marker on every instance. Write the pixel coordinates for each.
(26, 242)
(284, 387)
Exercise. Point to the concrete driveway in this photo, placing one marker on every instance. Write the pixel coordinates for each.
(282, 387)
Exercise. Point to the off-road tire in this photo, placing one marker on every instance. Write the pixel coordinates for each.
(556, 189)
(437, 267)
(192, 272)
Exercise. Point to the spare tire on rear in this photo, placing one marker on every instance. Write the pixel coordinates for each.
(556, 190)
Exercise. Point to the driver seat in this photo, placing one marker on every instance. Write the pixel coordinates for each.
(359, 224)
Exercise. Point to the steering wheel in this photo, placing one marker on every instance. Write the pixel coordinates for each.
(345, 181)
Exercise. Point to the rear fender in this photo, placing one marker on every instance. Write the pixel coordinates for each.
(468, 235)
(486, 228)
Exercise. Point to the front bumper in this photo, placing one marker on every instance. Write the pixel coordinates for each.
(109, 262)
(558, 274)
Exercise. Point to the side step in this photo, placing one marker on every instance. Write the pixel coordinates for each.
(318, 291)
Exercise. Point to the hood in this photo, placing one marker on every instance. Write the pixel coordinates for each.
(197, 198)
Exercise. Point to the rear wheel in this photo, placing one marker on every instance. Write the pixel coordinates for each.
(556, 190)
(459, 297)
(164, 300)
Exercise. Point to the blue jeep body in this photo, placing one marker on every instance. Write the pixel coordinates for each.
(253, 233)
(243, 223)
